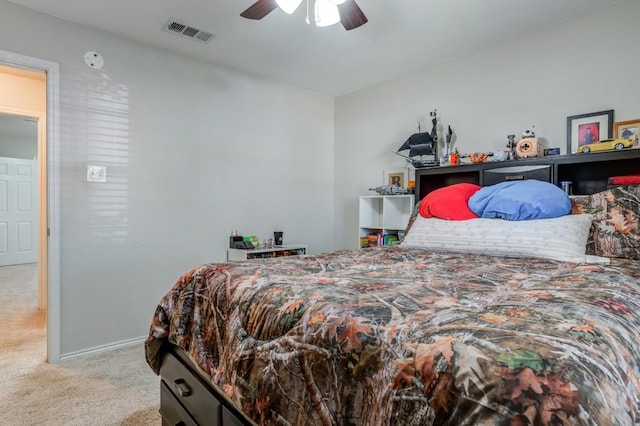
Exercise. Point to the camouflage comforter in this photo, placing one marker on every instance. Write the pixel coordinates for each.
(407, 337)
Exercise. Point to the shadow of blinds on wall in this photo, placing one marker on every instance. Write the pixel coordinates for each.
(96, 129)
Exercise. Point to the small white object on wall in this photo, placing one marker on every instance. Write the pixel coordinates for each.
(93, 60)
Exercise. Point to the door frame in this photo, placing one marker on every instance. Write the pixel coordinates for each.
(49, 199)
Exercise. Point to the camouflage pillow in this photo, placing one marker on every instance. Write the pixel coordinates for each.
(615, 231)
(412, 218)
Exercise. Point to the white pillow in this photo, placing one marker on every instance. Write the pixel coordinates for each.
(562, 238)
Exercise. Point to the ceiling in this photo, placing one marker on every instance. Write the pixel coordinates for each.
(402, 36)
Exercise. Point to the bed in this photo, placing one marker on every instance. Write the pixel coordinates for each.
(416, 334)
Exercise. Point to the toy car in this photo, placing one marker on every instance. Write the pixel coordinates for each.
(606, 145)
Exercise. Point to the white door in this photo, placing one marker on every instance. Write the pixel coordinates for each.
(18, 211)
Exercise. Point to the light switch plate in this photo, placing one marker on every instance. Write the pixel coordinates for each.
(96, 173)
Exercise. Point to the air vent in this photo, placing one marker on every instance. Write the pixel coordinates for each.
(186, 30)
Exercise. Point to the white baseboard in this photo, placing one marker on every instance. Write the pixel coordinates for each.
(102, 348)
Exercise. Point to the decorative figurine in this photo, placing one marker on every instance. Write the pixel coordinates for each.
(454, 158)
(479, 157)
(419, 144)
(500, 156)
(434, 122)
(511, 155)
(389, 190)
(528, 146)
(425, 143)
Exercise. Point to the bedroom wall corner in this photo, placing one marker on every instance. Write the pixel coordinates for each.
(579, 66)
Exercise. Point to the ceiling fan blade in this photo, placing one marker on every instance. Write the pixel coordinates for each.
(259, 9)
(351, 16)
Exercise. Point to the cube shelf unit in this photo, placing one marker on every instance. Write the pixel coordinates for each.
(384, 215)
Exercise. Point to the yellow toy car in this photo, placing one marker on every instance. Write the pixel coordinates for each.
(606, 145)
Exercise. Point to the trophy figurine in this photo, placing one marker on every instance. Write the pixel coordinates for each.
(512, 146)
(434, 122)
(448, 140)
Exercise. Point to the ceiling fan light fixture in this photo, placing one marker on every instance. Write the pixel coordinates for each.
(288, 6)
(327, 13)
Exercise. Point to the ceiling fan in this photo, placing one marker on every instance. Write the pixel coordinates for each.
(327, 12)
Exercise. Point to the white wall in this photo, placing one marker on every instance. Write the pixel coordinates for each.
(192, 152)
(19, 147)
(585, 65)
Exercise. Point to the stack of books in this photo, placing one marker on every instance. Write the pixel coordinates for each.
(364, 242)
(379, 239)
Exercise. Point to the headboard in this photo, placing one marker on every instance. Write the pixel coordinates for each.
(589, 173)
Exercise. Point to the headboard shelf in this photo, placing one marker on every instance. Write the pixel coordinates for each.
(588, 172)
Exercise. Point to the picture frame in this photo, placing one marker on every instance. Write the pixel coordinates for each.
(397, 177)
(588, 128)
(629, 129)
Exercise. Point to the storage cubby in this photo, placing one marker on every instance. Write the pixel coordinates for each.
(384, 217)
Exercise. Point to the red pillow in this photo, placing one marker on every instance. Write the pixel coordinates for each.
(449, 202)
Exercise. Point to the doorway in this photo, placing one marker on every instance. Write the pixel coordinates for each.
(22, 133)
(24, 101)
(31, 92)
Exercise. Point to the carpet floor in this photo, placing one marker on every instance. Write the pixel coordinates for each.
(109, 388)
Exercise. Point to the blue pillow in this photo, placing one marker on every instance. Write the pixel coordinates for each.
(520, 200)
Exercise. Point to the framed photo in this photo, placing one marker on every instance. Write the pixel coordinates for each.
(585, 129)
(398, 177)
(628, 130)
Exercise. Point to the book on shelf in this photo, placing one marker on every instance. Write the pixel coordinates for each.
(389, 239)
(379, 239)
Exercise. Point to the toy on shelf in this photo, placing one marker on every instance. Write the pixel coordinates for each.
(389, 190)
(448, 140)
(606, 145)
(454, 158)
(528, 146)
(499, 155)
(479, 157)
(425, 143)
(511, 144)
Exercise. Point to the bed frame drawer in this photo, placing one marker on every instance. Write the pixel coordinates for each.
(190, 392)
(229, 419)
(172, 412)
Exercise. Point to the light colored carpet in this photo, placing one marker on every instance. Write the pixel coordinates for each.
(110, 388)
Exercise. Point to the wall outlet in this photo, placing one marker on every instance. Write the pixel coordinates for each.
(96, 173)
